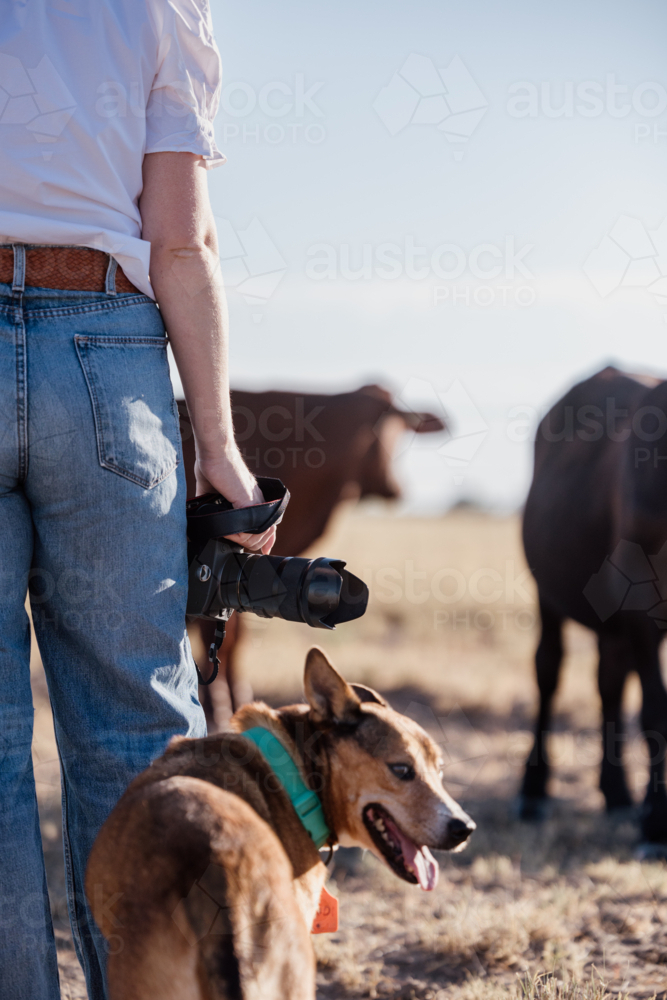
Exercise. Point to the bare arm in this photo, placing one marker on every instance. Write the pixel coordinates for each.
(185, 272)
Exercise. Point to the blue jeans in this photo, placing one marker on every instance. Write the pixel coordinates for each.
(92, 524)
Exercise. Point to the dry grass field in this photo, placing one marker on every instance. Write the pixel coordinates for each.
(559, 910)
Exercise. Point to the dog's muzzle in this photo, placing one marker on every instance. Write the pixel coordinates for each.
(458, 831)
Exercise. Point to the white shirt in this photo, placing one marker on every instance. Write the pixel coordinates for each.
(86, 88)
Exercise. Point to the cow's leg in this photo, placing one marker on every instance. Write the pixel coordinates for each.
(240, 688)
(547, 664)
(215, 698)
(229, 690)
(654, 726)
(219, 695)
(614, 665)
(216, 701)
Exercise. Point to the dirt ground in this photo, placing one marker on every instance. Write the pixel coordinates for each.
(558, 910)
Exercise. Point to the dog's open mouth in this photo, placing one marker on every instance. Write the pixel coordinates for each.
(408, 860)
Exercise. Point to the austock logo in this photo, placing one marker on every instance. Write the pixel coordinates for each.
(421, 94)
(587, 99)
(446, 262)
(36, 98)
(288, 435)
(465, 425)
(629, 580)
(285, 105)
(250, 261)
(206, 910)
(484, 600)
(464, 747)
(630, 256)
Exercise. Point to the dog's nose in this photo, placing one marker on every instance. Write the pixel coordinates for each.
(459, 830)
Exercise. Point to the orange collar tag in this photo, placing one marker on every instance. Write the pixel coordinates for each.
(326, 918)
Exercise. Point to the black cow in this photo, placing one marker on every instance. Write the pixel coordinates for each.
(595, 536)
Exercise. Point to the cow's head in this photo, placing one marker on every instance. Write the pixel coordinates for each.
(376, 477)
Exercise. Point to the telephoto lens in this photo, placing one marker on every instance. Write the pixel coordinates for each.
(225, 578)
(319, 592)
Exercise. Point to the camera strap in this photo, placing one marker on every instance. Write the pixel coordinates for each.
(218, 639)
(213, 516)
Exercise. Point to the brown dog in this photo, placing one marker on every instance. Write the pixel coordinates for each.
(204, 880)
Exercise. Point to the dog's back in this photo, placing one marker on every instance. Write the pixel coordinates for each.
(206, 878)
(193, 891)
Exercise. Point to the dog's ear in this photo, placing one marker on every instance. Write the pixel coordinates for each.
(368, 694)
(330, 697)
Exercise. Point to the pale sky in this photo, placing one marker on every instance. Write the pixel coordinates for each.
(492, 270)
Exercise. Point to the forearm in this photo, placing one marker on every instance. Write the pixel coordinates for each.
(190, 293)
(185, 273)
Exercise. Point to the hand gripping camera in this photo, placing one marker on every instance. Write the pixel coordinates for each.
(224, 577)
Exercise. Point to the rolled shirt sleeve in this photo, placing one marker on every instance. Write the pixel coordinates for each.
(185, 94)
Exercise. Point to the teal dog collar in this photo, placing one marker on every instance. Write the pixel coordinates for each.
(306, 802)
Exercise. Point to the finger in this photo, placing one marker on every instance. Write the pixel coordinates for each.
(253, 542)
(268, 545)
(244, 539)
(257, 543)
(264, 543)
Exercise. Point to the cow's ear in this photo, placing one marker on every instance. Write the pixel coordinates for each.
(376, 392)
(368, 694)
(330, 697)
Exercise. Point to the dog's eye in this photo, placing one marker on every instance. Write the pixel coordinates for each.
(405, 772)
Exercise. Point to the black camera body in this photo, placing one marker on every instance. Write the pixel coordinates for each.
(223, 577)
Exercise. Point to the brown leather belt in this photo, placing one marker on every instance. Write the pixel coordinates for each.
(74, 269)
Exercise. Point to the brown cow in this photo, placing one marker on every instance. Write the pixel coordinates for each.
(595, 535)
(325, 448)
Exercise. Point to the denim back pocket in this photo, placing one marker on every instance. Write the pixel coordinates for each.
(133, 406)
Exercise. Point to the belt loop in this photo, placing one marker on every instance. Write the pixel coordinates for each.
(18, 281)
(110, 287)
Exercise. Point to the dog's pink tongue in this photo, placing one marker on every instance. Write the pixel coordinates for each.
(420, 860)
